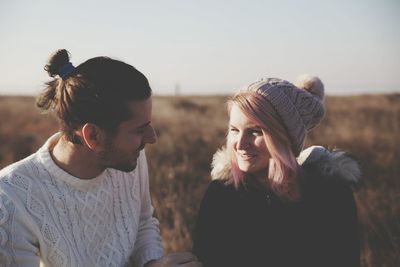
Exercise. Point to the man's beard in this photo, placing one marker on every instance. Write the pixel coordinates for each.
(110, 158)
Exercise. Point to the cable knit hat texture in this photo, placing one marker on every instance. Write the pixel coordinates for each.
(300, 107)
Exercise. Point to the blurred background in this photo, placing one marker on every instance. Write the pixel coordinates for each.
(208, 47)
(194, 54)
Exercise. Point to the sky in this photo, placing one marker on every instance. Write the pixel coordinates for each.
(208, 47)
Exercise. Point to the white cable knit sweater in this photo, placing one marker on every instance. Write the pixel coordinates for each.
(50, 216)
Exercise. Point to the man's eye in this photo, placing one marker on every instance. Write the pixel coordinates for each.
(136, 131)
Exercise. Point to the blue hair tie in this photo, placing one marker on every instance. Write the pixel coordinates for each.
(66, 70)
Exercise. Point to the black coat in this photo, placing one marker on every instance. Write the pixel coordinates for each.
(252, 227)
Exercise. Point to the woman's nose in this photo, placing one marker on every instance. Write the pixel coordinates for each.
(242, 142)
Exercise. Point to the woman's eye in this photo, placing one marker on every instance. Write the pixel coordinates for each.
(256, 132)
(234, 130)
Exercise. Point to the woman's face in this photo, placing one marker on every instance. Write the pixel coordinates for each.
(248, 143)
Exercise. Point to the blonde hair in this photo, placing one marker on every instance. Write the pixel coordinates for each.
(284, 171)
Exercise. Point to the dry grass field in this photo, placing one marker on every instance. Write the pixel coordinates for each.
(190, 129)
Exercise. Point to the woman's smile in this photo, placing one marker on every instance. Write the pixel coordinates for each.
(246, 156)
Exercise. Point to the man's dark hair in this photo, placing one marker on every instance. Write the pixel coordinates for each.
(97, 91)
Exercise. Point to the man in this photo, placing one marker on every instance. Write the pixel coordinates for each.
(83, 198)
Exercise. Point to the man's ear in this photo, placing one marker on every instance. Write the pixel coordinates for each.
(93, 135)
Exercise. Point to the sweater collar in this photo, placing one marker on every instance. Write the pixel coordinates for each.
(58, 173)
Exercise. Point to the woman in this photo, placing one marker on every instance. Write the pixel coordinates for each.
(269, 204)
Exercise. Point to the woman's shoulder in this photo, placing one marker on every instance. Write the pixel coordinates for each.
(322, 165)
(327, 173)
(222, 196)
(220, 188)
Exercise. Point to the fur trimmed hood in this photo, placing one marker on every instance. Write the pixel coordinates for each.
(337, 164)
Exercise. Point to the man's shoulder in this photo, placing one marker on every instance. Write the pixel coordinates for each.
(21, 169)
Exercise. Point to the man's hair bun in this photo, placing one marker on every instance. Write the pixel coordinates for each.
(56, 61)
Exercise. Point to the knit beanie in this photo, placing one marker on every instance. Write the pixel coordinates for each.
(300, 107)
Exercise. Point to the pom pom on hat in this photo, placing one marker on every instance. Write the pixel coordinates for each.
(311, 84)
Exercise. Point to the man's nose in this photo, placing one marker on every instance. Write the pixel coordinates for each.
(151, 137)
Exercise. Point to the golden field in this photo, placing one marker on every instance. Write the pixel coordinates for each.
(190, 129)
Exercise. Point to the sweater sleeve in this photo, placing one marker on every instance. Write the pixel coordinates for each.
(18, 246)
(148, 242)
